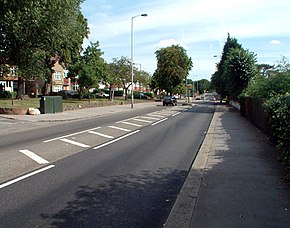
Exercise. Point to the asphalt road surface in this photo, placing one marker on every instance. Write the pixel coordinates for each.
(122, 170)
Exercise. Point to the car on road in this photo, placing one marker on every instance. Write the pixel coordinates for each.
(169, 100)
(102, 94)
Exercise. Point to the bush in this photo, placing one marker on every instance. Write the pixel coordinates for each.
(118, 93)
(278, 108)
(5, 94)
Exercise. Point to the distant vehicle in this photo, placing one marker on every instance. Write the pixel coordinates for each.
(169, 100)
(102, 94)
(198, 98)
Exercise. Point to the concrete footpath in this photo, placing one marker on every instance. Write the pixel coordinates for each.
(235, 181)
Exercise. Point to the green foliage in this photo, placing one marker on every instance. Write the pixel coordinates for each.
(173, 65)
(240, 67)
(33, 31)
(5, 94)
(278, 108)
(261, 87)
(118, 93)
(219, 78)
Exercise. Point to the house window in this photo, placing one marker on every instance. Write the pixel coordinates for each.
(8, 83)
(57, 88)
(57, 75)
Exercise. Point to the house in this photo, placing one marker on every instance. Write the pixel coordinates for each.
(59, 81)
(8, 80)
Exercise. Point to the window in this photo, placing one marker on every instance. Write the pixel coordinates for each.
(57, 75)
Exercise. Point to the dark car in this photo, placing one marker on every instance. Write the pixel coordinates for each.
(169, 100)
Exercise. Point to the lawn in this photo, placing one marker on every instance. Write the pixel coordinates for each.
(68, 104)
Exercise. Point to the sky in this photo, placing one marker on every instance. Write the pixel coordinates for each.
(199, 26)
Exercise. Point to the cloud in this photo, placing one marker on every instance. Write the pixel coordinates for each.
(169, 42)
(275, 42)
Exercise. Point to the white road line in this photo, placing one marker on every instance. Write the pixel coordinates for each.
(25, 176)
(176, 114)
(119, 128)
(159, 121)
(34, 156)
(100, 134)
(115, 140)
(150, 118)
(75, 143)
(50, 140)
(140, 120)
(156, 115)
(136, 125)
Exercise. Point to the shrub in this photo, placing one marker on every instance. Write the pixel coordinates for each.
(5, 94)
(278, 108)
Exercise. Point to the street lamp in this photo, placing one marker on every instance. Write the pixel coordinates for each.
(132, 55)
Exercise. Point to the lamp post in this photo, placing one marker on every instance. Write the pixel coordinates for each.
(132, 55)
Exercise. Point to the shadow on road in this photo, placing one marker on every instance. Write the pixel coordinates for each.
(141, 200)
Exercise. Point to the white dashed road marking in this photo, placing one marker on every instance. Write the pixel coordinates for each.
(115, 140)
(100, 134)
(159, 121)
(75, 143)
(136, 125)
(140, 120)
(119, 128)
(34, 156)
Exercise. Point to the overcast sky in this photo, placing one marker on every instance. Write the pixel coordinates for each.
(200, 26)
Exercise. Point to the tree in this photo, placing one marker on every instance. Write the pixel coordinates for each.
(203, 85)
(218, 79)
(120, 73)
(91, 68)
(240, 67)
(173, 65)
(34, 31)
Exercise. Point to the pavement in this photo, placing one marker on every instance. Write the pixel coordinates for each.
(235, 180)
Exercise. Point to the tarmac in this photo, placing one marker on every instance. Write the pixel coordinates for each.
(235, 180)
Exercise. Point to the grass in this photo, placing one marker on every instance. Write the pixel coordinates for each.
(68, 104)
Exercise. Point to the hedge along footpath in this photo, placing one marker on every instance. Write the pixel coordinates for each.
(278, 108)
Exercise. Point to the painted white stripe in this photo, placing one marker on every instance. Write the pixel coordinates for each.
(75, 143)
(119, 128)
(159, 121)
(115, 140)
(25, 176)
(50, 140)
(176, 114)
(156, 115)
(150, 118)
(34, 157)
(140, 120)
(100, 134)
(136, 125)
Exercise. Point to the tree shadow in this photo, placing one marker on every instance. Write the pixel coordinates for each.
(142, 200)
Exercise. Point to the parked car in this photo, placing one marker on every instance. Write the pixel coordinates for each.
(169, 100)
(102, 94)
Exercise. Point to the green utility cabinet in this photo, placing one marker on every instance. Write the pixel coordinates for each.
(50, 104)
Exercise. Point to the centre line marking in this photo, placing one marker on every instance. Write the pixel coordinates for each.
(119, 128)
(159, 121)
(146, 121)
(115, 140)
(80, 132)
(136, 125)
(150, 118)
(75, 143)
(100, 134)
(34, 156)
(25, 176)
(176, 114)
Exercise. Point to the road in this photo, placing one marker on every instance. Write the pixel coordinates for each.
(122, 170)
